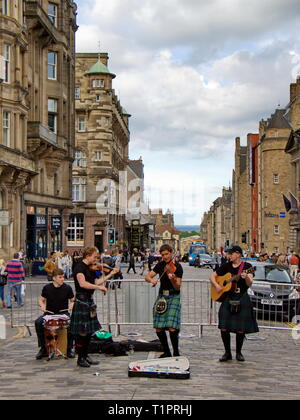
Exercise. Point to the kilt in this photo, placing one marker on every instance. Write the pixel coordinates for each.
(244, 321)
(81, 321)
(172, 317)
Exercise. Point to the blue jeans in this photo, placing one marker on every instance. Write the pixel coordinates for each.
(2, 293)
(11, 289)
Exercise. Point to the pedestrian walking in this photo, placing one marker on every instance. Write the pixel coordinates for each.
(236, 313)
(3, 281)
(15, 278)
(131, 263)
(293, 265)
(65, 264)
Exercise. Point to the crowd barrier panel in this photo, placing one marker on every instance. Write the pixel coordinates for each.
(131, 304)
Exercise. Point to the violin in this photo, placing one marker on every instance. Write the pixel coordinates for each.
(106, 269)
(170, 267)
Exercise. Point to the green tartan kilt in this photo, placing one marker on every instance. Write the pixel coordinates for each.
(172, 317)
(244, 321)
(81, 322)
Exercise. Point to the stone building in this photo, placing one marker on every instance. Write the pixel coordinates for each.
(252, 144)
(240, 198)
(166, 234)
(101, 157)
(36, 122)
(274, 177)
(293, 149)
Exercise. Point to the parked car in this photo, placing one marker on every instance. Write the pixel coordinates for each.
(205, 260)
(278, 298)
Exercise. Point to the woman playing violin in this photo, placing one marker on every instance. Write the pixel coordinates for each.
(167, 308)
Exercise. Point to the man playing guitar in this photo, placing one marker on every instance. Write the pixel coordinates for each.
(236, 313)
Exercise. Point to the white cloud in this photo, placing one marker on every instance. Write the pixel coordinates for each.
(195, 74)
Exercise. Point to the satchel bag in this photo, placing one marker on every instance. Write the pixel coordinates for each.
(161, 306)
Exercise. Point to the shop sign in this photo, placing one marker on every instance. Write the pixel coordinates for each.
(55, 222)
(41, 220)
(4, 218)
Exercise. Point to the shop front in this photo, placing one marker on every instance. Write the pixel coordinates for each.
(43, 232)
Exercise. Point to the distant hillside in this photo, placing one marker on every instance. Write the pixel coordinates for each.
(188, 228)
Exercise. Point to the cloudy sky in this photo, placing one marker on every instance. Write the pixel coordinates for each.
(194, 75)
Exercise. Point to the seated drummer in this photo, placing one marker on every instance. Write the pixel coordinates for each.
(57, 298)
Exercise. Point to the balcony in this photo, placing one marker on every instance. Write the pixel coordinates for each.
(42, 142)
(40, 21)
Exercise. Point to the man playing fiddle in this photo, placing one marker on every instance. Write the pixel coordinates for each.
(167, 308)
(84, 321)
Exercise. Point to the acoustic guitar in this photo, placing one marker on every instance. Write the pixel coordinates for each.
(228, 284)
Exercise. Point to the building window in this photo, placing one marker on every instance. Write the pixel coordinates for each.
(77, 93)
(276, 178)
(6, 128)
(80, 159)
(98, 83)
(79, 189)
(5, 9)
(97, 156)
(98, 98)
(52, 64)
(276, 229)
(81, 124)
(52, 115)
(75, 230)
(6, 56)
(52, 13)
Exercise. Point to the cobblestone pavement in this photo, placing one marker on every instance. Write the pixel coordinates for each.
(271, 370)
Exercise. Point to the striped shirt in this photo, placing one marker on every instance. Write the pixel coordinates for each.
(15, 271)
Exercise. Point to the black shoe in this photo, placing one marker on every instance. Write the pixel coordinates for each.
(91, 361)
(82, 362)
(70, 354)
(42, 353)
(240, 357)
(176, 354)
(226, 356)
(162, 356)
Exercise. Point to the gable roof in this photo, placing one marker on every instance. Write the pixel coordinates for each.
(278, 120)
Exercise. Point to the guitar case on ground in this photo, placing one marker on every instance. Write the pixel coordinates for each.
(166, 368)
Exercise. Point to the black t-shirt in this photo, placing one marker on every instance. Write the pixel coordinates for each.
(57, 297)
(89, 275)
(165, 282)
(228, 268)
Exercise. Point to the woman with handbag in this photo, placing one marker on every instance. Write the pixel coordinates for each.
(236, 311)
(3, 281)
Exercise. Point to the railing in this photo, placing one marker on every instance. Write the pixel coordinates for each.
(131, 305)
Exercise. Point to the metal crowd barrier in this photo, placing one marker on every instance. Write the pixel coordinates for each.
(131, 305)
